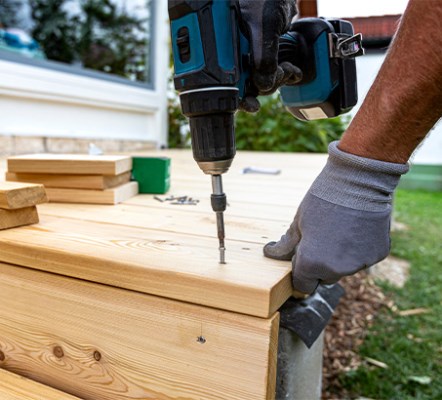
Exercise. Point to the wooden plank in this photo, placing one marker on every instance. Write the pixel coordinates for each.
(15, 195)
(100, 342)
(98, 182)
(108, 196)
(70, 164)
(20, 217)
(16, 387)
(173, 218)
(172, 265)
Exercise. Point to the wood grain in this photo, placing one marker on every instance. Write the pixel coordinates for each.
(20, 217)
(70, 164)
(173, 265)
(100, 342)
(98, 182)
(173, 218)
(108, 196)
(16, 387)
(14, 195)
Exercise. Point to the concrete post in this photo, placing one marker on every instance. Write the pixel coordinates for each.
(299, 371)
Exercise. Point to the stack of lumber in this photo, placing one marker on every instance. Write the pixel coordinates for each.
(70, 178)
(18, 203)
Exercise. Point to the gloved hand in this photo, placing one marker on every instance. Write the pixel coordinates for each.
(263, 22)
(343, 223)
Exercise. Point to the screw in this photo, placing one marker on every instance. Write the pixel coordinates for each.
(201, 339)
(97, 355)
(2, 356)
(58, 352)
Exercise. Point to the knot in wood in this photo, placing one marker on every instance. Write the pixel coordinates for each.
(2, 356)
(58, 352)
(97, 355)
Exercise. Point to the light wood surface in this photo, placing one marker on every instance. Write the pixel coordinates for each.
(70, 164)
(171, 250)
(15, 195)
(107, 196)
(173, 265)
(98, 182)
(16, 387)
(101, 342)
(20, 217)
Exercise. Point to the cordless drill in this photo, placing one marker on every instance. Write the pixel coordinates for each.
(212, 63)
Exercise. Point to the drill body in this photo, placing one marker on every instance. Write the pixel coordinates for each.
(212, 63)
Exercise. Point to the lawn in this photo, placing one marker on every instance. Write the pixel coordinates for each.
(411, 346)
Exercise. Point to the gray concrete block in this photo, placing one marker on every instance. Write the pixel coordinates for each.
(6, 145)
(299, 373)
(137, 145)
(29, 144)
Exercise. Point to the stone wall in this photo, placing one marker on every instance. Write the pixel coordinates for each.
(13, 145)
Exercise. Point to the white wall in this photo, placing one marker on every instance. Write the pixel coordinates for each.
(430, 152)
(42, 102)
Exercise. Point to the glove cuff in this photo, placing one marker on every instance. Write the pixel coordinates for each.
(357, 182)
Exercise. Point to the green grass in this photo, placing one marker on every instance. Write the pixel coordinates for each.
(410, 346)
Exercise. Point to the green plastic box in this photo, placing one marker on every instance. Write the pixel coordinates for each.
(152, 174)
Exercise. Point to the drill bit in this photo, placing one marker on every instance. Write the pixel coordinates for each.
(219, 205)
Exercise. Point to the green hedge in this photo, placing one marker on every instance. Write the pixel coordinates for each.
(273, 128)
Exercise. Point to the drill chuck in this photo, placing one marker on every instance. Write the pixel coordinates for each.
(211, 118)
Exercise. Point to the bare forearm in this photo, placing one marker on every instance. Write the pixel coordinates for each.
(405, 100)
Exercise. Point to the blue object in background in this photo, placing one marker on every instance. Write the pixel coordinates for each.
(18, 41)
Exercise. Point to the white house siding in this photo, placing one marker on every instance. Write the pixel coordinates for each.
(45, 105)
(430, 152)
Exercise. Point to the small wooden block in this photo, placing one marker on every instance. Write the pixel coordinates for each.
(19, 217)
(72, 164)
(15, 195)
(98, 182)
(16, 387)
(107, 196)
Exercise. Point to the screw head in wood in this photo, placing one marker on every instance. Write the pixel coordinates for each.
(58, 352)
(97, 355)
(2, 356)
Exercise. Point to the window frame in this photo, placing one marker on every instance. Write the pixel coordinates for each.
(29, 83)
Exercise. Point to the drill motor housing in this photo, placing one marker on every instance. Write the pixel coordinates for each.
(212, 61)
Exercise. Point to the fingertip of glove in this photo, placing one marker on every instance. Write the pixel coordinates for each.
(305, 286)
(250, 104)
(271, 250)
(265, 81)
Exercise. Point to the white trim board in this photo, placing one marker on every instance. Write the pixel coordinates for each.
(36, 101)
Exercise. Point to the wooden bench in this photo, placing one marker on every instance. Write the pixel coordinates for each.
(129, 301)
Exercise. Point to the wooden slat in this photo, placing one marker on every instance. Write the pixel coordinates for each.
(108, 196)
(100, 342)
(16, 387)
(173, 265)
(70, 164)
(20, 217)
(14, 195)
(175, 219)
(98, 182)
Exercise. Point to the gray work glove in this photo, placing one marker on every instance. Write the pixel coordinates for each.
(343, 223)
(263, 22)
